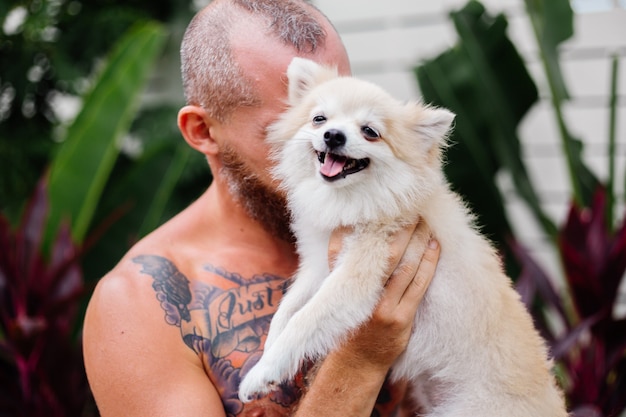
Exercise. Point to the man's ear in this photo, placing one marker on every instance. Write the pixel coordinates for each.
(304, 74)
(195, 126)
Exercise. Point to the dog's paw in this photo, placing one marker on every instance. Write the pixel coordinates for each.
(259, 381)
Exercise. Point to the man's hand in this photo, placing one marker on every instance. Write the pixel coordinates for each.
(412, 265)
(350, 378)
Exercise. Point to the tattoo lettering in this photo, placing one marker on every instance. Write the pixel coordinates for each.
(224, 326)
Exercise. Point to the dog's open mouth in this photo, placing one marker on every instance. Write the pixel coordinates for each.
(336, 166)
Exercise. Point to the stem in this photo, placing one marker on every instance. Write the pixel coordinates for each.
(556, 99)
(612, 137)
(165, 189)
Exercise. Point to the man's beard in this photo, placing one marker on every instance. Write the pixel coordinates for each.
(261, 202)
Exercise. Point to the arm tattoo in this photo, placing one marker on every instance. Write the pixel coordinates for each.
(171, 286)
(224, 327)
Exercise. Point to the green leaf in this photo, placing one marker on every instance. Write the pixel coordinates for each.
(146, 190)
(553, 23)
(484, 81)
(610, 185)
(80, 170)
(155, 213)
(470, 165)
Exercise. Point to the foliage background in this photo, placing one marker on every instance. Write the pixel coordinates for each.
(55, 57)
(105, 164)
(486, 83)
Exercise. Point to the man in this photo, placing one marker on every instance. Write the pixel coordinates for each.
(174, 326)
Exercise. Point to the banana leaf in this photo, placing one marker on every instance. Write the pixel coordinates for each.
(81, 169)
(552, 23)
(148, 189)
(484, 81)
(610, 184)
(168, 182)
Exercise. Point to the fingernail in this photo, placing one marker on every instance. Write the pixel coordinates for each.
(432, 243)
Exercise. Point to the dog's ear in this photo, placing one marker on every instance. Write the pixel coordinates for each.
(433, 123)
(304, 74)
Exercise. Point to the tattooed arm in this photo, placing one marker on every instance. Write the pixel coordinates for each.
(136, 362)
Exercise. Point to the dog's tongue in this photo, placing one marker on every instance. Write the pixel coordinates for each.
(333, 165)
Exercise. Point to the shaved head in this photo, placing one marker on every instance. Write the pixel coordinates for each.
(212, 78)
(234, 57)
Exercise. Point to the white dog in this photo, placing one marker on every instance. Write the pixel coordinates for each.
(350, 155)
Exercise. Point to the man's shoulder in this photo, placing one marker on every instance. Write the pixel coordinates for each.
(132, 324)
(120, 295)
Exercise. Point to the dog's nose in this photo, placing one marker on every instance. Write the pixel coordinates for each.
(334, 138)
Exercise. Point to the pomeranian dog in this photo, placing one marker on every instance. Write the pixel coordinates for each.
(348, 154)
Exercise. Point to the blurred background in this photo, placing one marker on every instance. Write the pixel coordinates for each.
(91, 160)
(386, 40)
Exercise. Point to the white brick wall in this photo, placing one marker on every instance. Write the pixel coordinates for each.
(386, 39)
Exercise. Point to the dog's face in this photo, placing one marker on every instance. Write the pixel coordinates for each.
(347, 134)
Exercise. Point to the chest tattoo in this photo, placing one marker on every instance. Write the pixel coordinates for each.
(226, 326)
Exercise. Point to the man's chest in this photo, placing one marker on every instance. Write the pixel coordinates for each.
(224, 318)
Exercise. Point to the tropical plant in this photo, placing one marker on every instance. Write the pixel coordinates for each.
(476, 79)
(81, 168)
(485, 82)
(41, 285)
(590, 348)
(49, 51)
(90, 177)
(55, 49)
(41, 363)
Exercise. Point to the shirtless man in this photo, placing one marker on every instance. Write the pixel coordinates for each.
(173, 327)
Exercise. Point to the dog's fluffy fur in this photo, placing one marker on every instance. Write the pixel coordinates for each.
(475, 351)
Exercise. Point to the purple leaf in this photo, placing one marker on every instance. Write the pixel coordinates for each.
(614, 332)
(587, 410)
(567, 341)
(35, 215)
(593, 259)
(614, 271)
(532, 278)
(41, 370)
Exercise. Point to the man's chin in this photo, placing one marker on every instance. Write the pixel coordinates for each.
(268, 208)
(261, 202)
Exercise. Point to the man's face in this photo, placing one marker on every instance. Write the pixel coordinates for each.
(244, 159)
(244, 151)
(264, 61)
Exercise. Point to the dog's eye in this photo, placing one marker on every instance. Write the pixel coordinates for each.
(319, 119)
(370, 133)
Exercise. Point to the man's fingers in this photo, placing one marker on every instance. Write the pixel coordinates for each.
(425, 272)
(409, 256)
(400, 246)
(411, 266)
